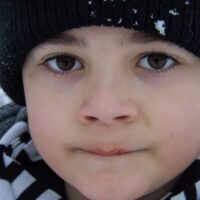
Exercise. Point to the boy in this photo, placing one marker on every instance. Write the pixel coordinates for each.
(110, 89)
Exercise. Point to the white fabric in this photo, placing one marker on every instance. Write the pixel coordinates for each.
(15, 131)
(6, 192)
(20, 184)
(181, 196)
(197, 185)
(50, 195)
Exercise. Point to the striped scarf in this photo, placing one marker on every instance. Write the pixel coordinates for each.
(25, 176)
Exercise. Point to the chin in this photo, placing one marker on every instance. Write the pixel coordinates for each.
(110, 191)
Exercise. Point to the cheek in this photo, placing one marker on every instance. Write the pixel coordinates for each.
(175, 123)
(49, 123)
(45, 127)
(51, 107)
(51, 133)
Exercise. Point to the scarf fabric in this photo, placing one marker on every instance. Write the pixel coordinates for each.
(25, 176)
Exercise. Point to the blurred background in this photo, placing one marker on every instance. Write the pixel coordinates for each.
(4, 99)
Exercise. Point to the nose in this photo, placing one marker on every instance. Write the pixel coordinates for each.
(106, 107)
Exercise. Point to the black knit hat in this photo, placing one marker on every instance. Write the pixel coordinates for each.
(26, 23)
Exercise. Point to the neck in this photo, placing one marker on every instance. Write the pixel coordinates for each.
(73, 194)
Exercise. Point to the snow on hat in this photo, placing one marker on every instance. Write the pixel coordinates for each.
(26, 23)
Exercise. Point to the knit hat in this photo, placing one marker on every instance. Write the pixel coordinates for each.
(26, 23)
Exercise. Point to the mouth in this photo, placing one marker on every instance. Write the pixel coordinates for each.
(110, 153)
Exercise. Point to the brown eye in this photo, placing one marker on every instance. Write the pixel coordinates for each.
(157, 62)
(63, 63)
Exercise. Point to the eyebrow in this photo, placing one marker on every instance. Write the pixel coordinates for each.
(71, 40)
(141, 38)
(66, 39)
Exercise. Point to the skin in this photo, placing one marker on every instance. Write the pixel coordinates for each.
(113, 100)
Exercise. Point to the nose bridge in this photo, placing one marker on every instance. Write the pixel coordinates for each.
(108, 86)
(109, 74)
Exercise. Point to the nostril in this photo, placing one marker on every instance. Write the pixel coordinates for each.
(91, 119)
(124, 118)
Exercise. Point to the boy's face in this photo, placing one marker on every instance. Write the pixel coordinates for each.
(96, 89)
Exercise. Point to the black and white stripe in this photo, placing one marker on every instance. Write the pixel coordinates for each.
(16, 183)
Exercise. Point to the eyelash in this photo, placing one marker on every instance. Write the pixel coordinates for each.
(47, 69)
(141, 56)
(174, 58)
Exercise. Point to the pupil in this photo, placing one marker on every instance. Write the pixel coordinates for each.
(65, 63)
(157, 61)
